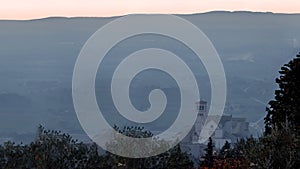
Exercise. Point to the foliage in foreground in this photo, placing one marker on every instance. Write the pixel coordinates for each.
(282, 135)
(174, 158)
(56, 150)
(279, 146)
(50, 150)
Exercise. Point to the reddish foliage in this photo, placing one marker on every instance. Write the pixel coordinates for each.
(227, 163)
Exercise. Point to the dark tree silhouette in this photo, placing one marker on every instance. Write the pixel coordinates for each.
(282, 122)
(209, 155)
(284, 110)
(226, 151)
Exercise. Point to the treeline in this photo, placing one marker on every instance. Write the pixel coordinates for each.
(57, 150)
(277, 151)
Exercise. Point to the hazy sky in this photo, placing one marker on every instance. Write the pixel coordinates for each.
(30, 9)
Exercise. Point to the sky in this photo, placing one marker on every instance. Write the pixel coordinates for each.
(33, 9)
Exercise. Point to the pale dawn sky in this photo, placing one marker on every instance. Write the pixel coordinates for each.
(31, 9)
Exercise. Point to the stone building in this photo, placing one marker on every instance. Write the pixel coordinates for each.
(228, 128)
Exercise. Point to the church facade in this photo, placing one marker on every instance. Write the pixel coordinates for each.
(229, 129)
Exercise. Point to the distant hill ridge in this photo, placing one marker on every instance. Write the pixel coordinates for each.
(191, 14)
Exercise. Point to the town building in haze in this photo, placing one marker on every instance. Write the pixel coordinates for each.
(229, 129)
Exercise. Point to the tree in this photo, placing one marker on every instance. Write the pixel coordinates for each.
(282, 122)
(173, 158)
(209, 158)
(50, 150)
(284, 109)
(226, 151)
(13, 156)
(54, 149)
(256, 152)
(177, 159)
